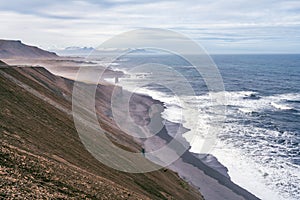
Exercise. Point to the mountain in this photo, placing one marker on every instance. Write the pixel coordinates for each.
(135, 51)
(86, 51)
(75, 51)
(74, 48)
(42, 156)
(16, 49)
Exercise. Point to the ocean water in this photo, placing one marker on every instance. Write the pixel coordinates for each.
(260, 139)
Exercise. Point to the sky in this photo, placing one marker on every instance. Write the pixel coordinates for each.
(222, 26)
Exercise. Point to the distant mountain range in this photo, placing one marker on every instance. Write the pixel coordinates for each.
(16, 49)
(74, 51)
(86, 51)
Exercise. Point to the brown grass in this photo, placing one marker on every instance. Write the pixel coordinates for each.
(41, 153)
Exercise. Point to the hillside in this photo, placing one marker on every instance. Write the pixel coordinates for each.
(43, 157)
(2, 63)
(16, 49)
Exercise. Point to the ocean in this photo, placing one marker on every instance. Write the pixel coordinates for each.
(259, 139)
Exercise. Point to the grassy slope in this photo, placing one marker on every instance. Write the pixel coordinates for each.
(41, 154)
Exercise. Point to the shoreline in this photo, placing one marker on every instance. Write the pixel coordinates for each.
(210, 182)
(216, 186)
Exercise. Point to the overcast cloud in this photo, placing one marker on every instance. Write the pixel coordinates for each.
(236, 26)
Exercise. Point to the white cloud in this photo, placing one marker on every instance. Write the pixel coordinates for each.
(213, 23)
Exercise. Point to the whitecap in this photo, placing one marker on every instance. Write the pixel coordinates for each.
(281, 106)
(245, 110)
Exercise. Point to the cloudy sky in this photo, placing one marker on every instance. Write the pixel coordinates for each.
(235, 26)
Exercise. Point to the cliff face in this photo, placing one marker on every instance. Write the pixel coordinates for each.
(42, 155)
(16, 49)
